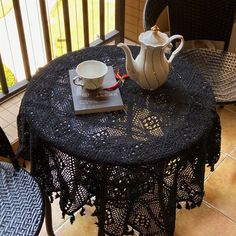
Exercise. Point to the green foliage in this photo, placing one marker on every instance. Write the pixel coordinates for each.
(77, 25)
(5, 7)
(9, 77)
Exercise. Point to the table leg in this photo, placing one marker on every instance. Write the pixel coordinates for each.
(101, 202)
(100, 232)
(48, 216)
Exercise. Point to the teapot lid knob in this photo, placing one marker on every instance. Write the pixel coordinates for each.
(153, 37)
(155, 28)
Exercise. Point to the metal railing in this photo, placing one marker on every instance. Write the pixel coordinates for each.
(34, 32)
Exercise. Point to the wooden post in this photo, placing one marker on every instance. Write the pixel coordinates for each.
(3, 78)
(45, 30)
(120, 20)
(67, 24)
(86, 26)
(21, 34)
(102, 20)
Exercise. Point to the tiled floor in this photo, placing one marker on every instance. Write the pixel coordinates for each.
(8, 116)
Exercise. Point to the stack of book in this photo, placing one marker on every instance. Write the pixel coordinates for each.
(93, 101)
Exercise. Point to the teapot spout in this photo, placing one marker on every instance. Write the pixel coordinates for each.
(130, 68)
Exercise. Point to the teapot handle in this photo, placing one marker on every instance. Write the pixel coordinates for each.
(176, 51)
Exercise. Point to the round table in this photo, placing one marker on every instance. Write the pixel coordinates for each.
(140, 163)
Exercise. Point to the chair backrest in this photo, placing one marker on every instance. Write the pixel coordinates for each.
(5, 146)
(194, 19)
(22, 206)
(6, 149)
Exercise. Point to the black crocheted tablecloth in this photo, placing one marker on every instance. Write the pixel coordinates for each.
(139, 164)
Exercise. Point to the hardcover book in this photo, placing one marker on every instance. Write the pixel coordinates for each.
(92, 101)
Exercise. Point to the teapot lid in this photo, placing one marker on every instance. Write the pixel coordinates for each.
(153, 37)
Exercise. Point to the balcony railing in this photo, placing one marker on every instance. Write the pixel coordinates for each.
(36, 31)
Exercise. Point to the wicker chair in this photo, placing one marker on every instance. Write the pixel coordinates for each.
(21, 199)
(202, 20)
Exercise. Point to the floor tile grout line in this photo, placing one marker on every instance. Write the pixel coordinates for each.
(64, 223)
(218, 210)
(227, 109)
(233, 157)
(216, 167)
(229, 155)
(234, 149)
(223, 159)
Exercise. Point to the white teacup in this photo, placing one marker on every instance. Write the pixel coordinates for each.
(90, 74)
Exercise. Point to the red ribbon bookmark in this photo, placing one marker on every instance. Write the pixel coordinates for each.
(120, 81)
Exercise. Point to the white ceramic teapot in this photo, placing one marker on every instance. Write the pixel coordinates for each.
(151, 67)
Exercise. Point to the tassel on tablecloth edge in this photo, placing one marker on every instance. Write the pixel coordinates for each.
(72, 219)
(82, 211)
(90, 203)
(187, 205)
(129, 231)
(63, 215)
(212, 166)
(95, 213)
(51, 199)
(178, 205)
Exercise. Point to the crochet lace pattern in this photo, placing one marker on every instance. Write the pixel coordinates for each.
(139, 163)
